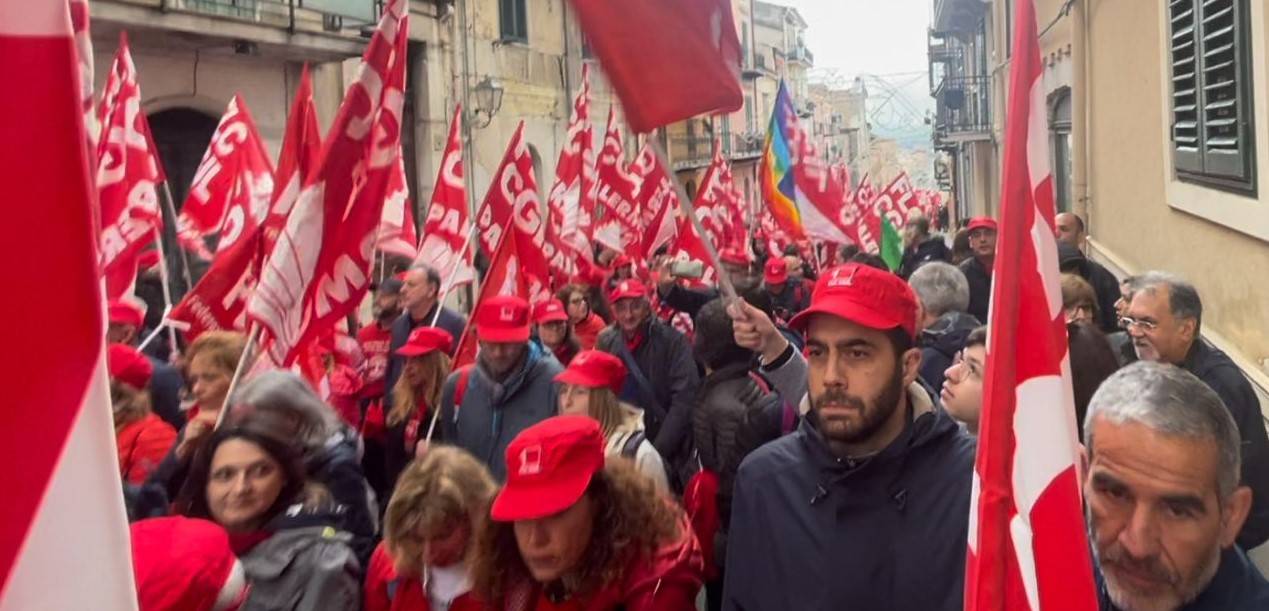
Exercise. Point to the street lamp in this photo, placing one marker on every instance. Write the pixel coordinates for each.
(488, 101)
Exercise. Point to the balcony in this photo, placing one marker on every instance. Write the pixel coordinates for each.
(690, 152)
(958, 15)
(308, 30)
(803, 55)
(963, 109)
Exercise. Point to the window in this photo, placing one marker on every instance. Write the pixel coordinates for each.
(514, 20)
(749, 125)
(1060, 149)
(1212, 133)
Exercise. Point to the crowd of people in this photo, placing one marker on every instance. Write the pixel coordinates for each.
(641, 442)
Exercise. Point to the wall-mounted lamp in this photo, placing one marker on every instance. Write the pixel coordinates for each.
(488, 101)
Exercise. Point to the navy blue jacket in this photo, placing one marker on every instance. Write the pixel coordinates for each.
(979, 278)
(165, 393)
(939, 344)
(813, 532)
(1237, 586)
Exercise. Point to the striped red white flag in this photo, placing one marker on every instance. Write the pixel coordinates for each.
(62, 517)
(1027, 542)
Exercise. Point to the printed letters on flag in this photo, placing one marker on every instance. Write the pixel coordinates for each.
(447, 226)
(573, 190)
(616, 187)
(397, 233)
(301, 147)
(658, 203)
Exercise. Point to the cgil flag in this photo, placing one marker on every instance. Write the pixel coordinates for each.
(397, 232)
(63, 515)
(573, 190)
(1028, 547)
(447, 229)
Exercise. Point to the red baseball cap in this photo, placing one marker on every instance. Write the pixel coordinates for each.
(776, 271)
(734, 257)
(185, 563)
(863, 295)
(981, 222)
(549, 466)
(122, 312)
(630, 288)
(594, 369)
(424, 340)
(129, 366)
(504, 318)
(549, 311)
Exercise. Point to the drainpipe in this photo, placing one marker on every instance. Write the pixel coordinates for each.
(1081, 112)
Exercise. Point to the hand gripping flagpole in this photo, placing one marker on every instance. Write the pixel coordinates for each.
(685, 206)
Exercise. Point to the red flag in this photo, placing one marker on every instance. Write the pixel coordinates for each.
(689, 247)
(447, 226)
(1027, 540)
(301, 147)
(668, 60)
(711, 199)
(63, 512)
(658, 203)
(512, 201)
(506, 277)
(868, 224)
(615, 193)
(397, 233)
(319, 268)
(235, 166)
(126, 176)
(897, 201)
(573, 190)
(493, 216)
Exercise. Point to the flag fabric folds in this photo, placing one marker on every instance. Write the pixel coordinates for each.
(447, 227)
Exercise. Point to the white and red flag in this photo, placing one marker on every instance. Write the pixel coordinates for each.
(126, 176)
(63, 515)
(868, 223)
(712, 199)
(573, 191)
(689, 247)
(397, 232)
(658, 203)
(319, 269)
(506, 277)
(615, 193)
(236, 168)
(512, 202)
(301, 147)
(898, 201)
(820, 192)
(447, 228)
(1028, 547)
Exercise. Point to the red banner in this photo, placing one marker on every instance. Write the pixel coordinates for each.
(447, 227)
(658, 203)
(397, 233)
(301, 146)
(573, 191)
(618, 228)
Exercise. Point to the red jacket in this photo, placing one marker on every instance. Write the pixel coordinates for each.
(588, 330)
(142, 446)
(385, 591)
(669, 580)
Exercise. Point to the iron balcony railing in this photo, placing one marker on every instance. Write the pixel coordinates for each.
(963, 105)
(292, 15)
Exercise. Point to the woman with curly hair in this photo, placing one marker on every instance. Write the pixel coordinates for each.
(572, 532)
(440, 505)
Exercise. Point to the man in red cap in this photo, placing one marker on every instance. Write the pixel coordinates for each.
(662, 379)
(873, 488)
(573, 531)
(788, 296)
(977, 269)
(126, 319)
(510, 388)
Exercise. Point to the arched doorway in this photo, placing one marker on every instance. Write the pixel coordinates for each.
(181, 136)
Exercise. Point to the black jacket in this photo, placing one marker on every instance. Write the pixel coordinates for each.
(979, 278)
(1223, 376)
(1237, 586)
(940, 342)
(813, 532)
(665, 359)
(932, 249)
(165, 393)
(1104, 283)
(337, 466)
(448, 320)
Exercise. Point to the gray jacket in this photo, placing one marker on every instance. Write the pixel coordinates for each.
(493, 413)
(303, 569)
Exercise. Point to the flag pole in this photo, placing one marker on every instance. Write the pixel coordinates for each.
(448, 285)
(724, 280)
(168, 297)
(169, 204)
(248, 358)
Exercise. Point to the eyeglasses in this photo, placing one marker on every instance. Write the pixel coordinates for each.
(1126, 323)
(577, 300)
(961, 368)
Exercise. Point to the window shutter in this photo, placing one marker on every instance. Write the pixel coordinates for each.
(1225, 105)
(1185, 105)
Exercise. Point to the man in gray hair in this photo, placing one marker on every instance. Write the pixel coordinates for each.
(1163, 499)
(1164, 320)
(943, 292)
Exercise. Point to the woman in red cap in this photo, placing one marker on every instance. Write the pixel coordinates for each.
(142, 438)
(555, 331)
(416, 396)
(589, 387)
(571, 532)
(440, 505)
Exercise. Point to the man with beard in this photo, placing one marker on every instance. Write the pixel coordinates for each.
(866, 504)
(377, 336)
(1163, 500)
(1163, 321)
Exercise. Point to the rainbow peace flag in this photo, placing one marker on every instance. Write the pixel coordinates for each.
(778, 188)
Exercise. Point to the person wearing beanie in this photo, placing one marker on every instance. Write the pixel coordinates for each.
(589, 387)
(571, 530)
(141, 437)
(185, 564)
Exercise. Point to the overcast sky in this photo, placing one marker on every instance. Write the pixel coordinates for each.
(866, 36)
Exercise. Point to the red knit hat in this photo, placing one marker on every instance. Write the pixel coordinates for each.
(185, 564)
(129, 366)
(549, 467)
(594, 369)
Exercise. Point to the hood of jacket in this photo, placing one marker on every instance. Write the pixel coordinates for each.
(947, 334)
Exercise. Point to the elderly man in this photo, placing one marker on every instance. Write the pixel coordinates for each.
(420, 300)
(943, 293)
(1163, 500)
(662, 378)
(1164, 321)
(920, 248)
